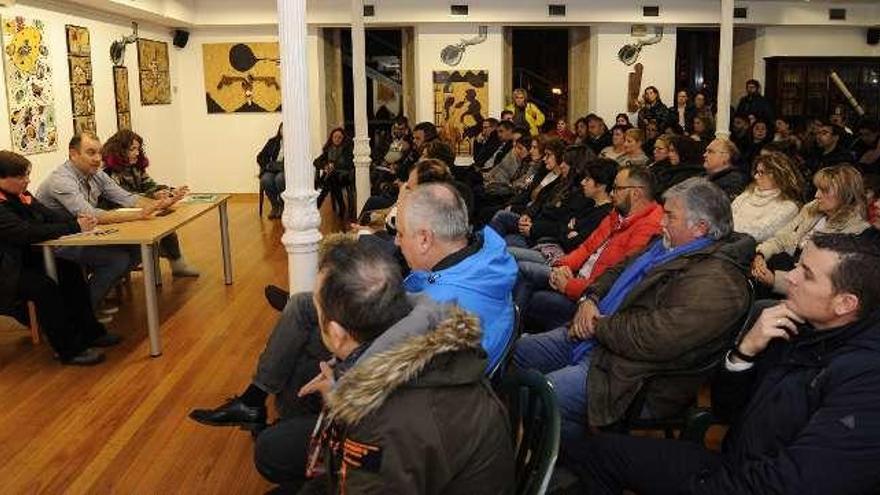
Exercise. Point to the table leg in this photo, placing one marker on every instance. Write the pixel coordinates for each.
(150, 293)
(224, 244)
(157, 267)
(49, 261)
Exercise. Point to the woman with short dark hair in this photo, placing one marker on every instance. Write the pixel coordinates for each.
(64, 310)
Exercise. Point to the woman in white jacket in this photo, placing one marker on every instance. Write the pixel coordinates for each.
(839, 208)
(771, 200)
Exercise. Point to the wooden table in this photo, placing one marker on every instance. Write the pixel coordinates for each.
(147, 233)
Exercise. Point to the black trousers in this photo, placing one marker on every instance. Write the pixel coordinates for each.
(64, 310)
(281, 451)
(609, 463)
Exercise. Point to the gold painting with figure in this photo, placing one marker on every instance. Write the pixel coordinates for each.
(242, 77)
(153, 71)
(29, 86)
(461, 102)
(86, 123)
(83, 98)
(78, 41)
(80, 70)
(120, 85)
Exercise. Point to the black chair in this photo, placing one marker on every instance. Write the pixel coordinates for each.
(535, 424)
(497, 372)
(693, 424)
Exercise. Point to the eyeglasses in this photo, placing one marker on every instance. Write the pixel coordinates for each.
(714, 152)
(620, 188)
(760, 172)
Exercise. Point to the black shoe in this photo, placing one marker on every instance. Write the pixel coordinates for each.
(233, 412)
(88, 357)
(277, 297)
(106, 340)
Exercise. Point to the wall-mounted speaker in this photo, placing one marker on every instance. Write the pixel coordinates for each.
(369, 10)
(458, 9)
(556, 10)
(837, 14)
(651, 11)
(740, 12)
(873, 36)
(180, 38)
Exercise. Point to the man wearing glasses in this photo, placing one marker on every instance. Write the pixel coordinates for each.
(830, 150)
(718, 161)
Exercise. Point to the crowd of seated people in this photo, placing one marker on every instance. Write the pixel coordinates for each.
(637, 282)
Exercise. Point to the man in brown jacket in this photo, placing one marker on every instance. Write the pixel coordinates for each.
(673, 307)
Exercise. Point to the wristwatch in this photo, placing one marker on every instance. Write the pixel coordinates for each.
(741, 356)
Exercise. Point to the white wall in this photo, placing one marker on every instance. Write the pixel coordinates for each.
(430, 39)
(158, 124)
(610, 79)
(801, 41)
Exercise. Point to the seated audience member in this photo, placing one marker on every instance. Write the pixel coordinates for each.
(63, 308)
(683, 113)
(872, 194)
(615, 150)
(422, 134)
(271, 162)
(672, 307)
(653, 108)
(622, 119)
(830, 149)
(383, 175)
(866, 148)
(548, 215)
(683, 161)
(334, 174)
(126, 163)
(598, 136)
(739, 130)
(547, 295)
(525, 113)
(506, 139)
(771, 200)
(661, 149)
(487, 142)
(719, 159)
(75, 188)
(596, 187)
(839, 208)
(506, 115)
(562, 131)
(703, 129)
(760, 136)
(532, 167)
(581, 131)
(801, 387)
(426, 362)
(784, 131)
(448, 265)
(632, 149)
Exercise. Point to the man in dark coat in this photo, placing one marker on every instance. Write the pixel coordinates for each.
(801, 386)
(830, 149)
(719, 158)
(754, 103)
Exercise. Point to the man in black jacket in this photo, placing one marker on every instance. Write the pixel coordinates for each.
(830, 150)
(754, 103)
(63, 308)
(801, 387)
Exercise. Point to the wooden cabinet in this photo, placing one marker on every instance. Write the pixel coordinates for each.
(802, 87)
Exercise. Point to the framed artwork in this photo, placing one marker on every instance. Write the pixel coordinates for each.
(86, 123)
(461, 101)
(79, 65)
(78, 42)
(153, 71)
(242, 77)
(123, 120)
(120, 88)
(29, 86)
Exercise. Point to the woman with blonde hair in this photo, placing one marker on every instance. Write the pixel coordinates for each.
(771, 200)
(839, 208)
(525, 113)
(633, 155)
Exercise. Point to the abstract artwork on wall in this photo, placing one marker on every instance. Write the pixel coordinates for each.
(82, 94)
(120, 89)
(242, 77)
(29, 86)
(154, 72)
(461, 101)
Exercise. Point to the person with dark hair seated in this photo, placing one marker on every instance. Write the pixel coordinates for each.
(684, 159)
(422, 134)
(830, 150)
(271, 162)
(434, 424)
(64, 310)
(547, 295)
(866, 148)
(674, 306)
(334, 174)
(801, 387)
(448, 264)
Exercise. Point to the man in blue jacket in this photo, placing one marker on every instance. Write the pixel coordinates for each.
(448, 265)
(801, 388)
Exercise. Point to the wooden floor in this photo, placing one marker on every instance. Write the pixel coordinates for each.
(122, 426)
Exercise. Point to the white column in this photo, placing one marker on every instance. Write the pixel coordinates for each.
(725, 67)
(359, 80)
(301, 218)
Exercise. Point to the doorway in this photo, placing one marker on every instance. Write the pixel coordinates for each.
(540, 66)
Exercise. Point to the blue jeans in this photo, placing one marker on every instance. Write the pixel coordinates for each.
(550, 353)
(542, 307)
(273, 184)
(526, 254)
(108, 264)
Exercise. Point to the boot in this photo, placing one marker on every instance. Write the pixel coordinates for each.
(180, 268)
